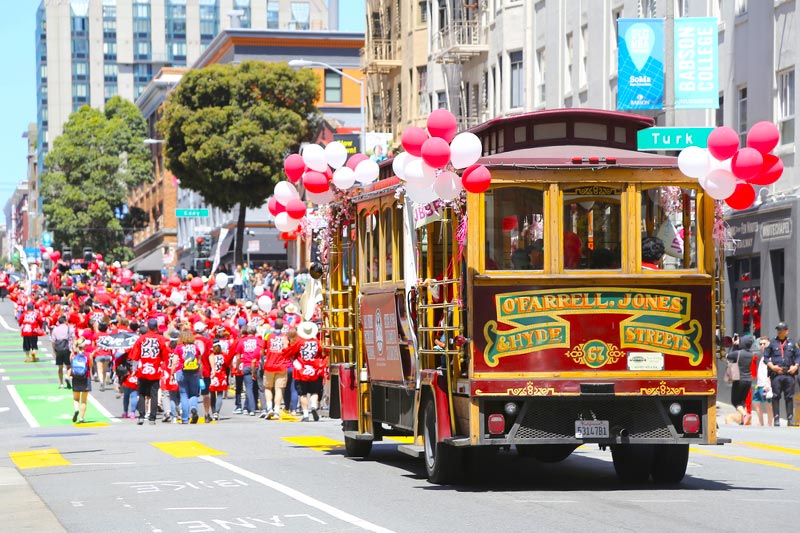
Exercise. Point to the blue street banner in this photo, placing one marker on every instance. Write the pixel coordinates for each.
(640, 72)
(696, 63)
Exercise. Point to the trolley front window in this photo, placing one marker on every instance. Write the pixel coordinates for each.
(669, 228)
(592, 228)
(514, 229)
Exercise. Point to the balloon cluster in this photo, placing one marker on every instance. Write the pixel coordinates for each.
(316, 169)
(727, 172)
(430, 158)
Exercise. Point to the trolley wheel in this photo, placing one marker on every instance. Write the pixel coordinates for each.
(440, 459)
(669, 462)
(357, 448)
(546, 453)
(632, 462)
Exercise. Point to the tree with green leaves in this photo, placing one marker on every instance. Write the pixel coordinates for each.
(89, 171)
(227, 129)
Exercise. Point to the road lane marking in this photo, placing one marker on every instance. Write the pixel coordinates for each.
(768, 447)
(299, 496)
(26, 413)
(318, 443)
(103, 411)
(38, 459)
(746, 460)
(103, 464)
(195, 508)
(5, 325)
(186, 448)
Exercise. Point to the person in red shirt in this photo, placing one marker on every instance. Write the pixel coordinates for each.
(151, 351)
(102, 356)
(169, 381)
(31, 326)
(204, 351)
(248, 351)
(275, 371)
(219, 361)
(309, 368)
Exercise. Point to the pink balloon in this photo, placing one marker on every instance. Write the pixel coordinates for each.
(196, 284)
(355, 159)
(296, 208)
(743, 196)
(723, 143)
(476, 179)
(315, 182)
(746, 163)
(442, 123)
(763, 136)
(436, 152)
(275, 207)
(294, 166)
(175, 281)
(55, 256)
(412, 140)
(771, 171)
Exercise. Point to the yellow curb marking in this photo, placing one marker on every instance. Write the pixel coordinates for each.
(38, 459)
(321, 444)
(186, 448)
(768, 447)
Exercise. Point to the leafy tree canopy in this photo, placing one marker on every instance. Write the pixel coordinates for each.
(89, 171)
(227, 129)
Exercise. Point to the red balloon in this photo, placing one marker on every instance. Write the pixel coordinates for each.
(746, 163)
(476, 179)
(723, 143)
(442, 123)
(99, 257)
(43, 249)
(355, 159)
(763, 136)
(196, 284)
(294, 167)
(55, 256)
(297, 208)
(412, 140)
(771, 171)
(174, 281)
(315, 182)
(743, 196)
(436, 152)
(275, 207)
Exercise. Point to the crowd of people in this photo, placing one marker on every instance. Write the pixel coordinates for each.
(180, 346)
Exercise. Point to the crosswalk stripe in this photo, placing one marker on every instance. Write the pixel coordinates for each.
(38, 459)
(186, 448)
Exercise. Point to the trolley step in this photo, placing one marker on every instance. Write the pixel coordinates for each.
(411, 449)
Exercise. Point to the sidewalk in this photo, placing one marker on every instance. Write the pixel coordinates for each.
(23, 507)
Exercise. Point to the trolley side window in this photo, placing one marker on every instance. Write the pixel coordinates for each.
(514, 228)
(592, 228)
(669, 228)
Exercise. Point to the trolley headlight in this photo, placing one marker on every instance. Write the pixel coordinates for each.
(511, 409)
(675, 409)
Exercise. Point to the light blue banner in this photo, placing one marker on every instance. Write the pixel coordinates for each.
(640, 72)
(696, 63)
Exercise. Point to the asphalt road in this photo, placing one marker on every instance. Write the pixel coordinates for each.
(245, 473)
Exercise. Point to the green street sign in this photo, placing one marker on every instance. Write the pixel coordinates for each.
(672, 138)
(191, 213)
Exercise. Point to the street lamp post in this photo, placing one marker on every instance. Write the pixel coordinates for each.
(304, 63)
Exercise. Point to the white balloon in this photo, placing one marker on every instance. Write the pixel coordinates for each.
(344, 178)
(285, 191)
(465, 150)
(49, 249)
(694, 161)
(421, 195)
(720, 184)
(264, 303)
(419, 174)
(286, 223)
(320, 198)
(447, 186)
(221, 280)
(314, 157)
(176, 297)
(725, 164)
(335, 154)
(367, 171)
(46, 255)
(258, 290)
(399, 165)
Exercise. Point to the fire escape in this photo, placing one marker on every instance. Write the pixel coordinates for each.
(381, 60)
(460, 36)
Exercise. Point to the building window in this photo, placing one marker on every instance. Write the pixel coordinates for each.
(80, 24)
(141, 9)
(423, 11)
(80, 70)
(485, 92)
(584, 66)
(683, 8)
(541, 58)
(742, 116)
(301, 13)
(110, 50)
(110, 90)
(647, 9)
(333, 87)
(568, 56)
(614, 42)
(720, 110)
(741, 7)
(80, 48)
(786, 105)
(273, 15)
(517, 79)
(178, 51)
(243, 5)
(208, 19)
(441, 100)
(110, 72)
(80, 90)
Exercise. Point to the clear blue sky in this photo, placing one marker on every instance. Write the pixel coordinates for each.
(18, 89)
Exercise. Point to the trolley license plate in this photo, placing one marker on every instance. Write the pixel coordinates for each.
(591, 429)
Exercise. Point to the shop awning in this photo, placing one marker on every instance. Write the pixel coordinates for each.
(149, 262)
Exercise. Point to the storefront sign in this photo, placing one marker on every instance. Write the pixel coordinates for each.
(759, 227)
(780, 229)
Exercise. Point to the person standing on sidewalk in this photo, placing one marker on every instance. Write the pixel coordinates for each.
(783, 358)
(31, 326)
(62, 336)
(151, 352)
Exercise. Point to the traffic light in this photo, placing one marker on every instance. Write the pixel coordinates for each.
(88, 255)
(66, 253)
(203, 245)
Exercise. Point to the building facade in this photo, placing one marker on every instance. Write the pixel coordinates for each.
(489, 58)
